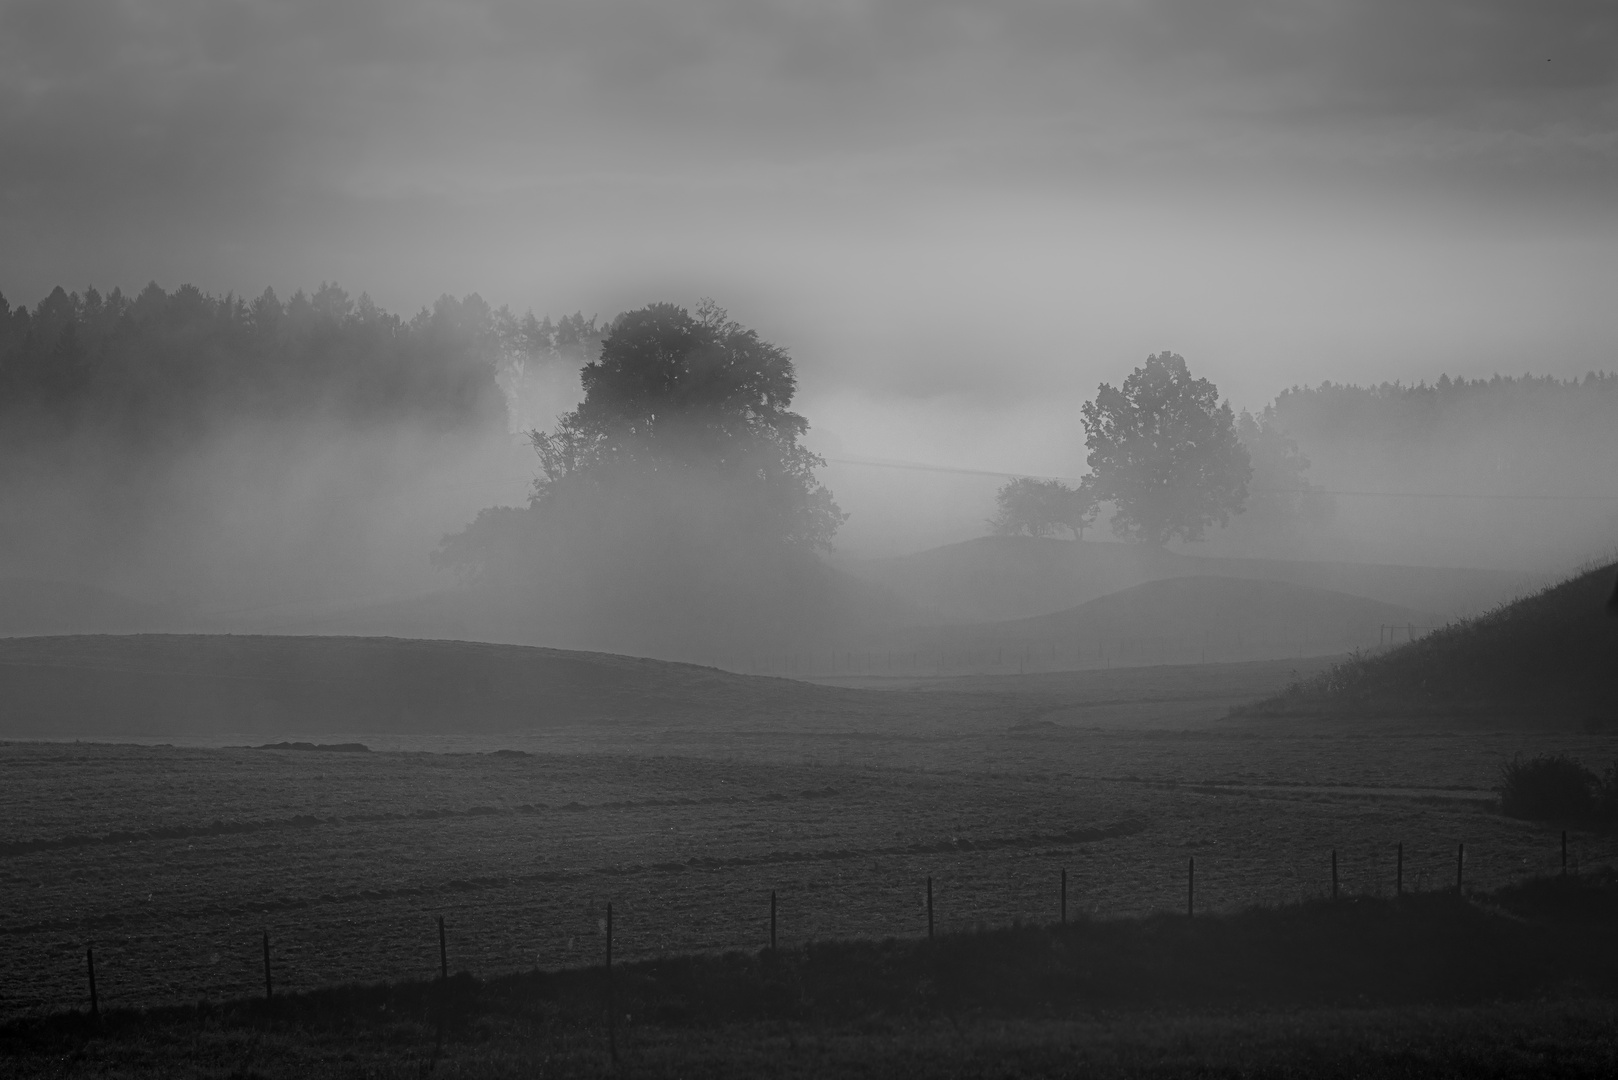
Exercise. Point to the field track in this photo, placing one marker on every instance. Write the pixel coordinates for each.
(172, 860)
(685, 800)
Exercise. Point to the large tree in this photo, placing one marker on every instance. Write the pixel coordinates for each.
(695, 400)
(684, 458)
(1164, 450)
(677, 510)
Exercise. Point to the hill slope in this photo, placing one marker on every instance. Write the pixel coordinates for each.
(1020, 577)
(806, 601)
(1547, 660)
(37, 606)
(1174, 620)
(212, 687)
(1275, 613)
(813, 602)
(154, 684)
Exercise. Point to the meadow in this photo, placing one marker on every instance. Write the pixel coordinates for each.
(1514, 982)
(172, 860)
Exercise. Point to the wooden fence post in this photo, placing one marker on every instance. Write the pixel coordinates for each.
(90, 963)
(612, 1017)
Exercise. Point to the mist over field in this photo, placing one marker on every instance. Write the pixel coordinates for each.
(184, 461)
(203, 454)
(780, 538)
(958, 221)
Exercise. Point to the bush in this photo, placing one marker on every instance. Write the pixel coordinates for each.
(1606, 797)
(1550, 788)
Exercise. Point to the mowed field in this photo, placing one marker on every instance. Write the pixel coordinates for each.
(172, 860)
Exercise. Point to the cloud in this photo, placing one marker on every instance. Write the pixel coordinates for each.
(888, 160)
(384, 97)
(959, 216)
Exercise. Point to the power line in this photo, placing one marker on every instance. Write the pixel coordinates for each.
(919, 466)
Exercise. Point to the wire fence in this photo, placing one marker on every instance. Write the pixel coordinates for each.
(279, 948)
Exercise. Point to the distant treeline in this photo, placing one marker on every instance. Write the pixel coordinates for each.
(183, 442)
(1405, 412)
(1482, 472)
(159, 365)
(1524, 426)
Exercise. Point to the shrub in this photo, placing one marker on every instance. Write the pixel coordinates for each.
(1547, 787)
(1606, 795)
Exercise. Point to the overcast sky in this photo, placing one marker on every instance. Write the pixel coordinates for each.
(957, 215)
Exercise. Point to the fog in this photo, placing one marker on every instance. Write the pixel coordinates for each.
(264, 520)
(958, 219)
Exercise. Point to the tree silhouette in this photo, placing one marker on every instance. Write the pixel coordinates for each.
(161, 367)
(1282, 498)
(675, 397)
(1029, 507)
(1165, 452)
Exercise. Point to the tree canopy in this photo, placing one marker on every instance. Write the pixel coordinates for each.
(684, 443)
(160, 366)
(699, 398)
(1164, 450)
(1030, 507)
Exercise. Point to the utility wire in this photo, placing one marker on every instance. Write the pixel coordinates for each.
(921, 466)
(881, 463)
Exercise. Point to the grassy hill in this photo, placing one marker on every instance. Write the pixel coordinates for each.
(167, 685)
(152, 684)
(35, 606)
(1018, 577)
(1548, 660)
(1174, 620)
(715, 623)
(703, 622)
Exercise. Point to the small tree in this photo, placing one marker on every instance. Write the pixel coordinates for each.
(1547, 788)
(1282, 497)
(1029, 507)
(1164, 451)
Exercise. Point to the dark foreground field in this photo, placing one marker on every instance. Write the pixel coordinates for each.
(537, 788)
(172, 861)
(1520, 982)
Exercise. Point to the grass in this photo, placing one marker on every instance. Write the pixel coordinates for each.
(150, 684)
(1516, 982)
(1545, 661)
(171, 861)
